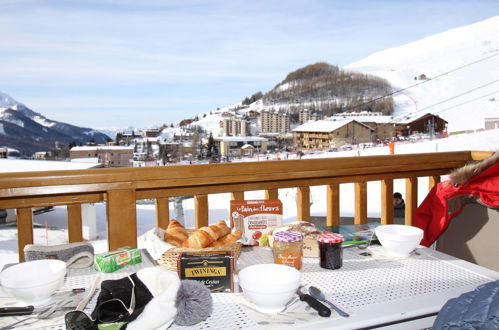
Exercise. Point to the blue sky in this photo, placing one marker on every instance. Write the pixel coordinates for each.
(121, 63)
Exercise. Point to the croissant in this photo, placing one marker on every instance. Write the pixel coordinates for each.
(228, 239)
(198, 240)
(175, 233)
(221, 225)
(217, 230)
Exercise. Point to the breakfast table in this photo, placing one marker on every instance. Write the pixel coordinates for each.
(376, 290)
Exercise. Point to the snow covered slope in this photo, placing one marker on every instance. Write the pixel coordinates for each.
(466, 95)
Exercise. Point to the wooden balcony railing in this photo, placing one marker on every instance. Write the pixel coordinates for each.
(121, 187)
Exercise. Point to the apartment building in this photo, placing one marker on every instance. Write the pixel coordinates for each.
(273, 122)
(306, 115)
(235, 127)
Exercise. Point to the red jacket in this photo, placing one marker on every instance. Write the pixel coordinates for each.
(445, 201)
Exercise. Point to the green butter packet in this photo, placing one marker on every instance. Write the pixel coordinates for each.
(111, 261)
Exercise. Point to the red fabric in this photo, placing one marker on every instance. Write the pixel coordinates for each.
(432, 215)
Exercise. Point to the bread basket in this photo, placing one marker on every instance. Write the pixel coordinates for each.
(170, 257)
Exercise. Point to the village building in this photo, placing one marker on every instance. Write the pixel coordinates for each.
(491, 123)
(325, 134)
(39, 155)
(108, 156)
(277, 141)
(235, 127)
(3, 152)
(430, 124)
(151, 132)
(233, 145)
(306, 115)
(252, 114)
(274, 122)
(383, 125)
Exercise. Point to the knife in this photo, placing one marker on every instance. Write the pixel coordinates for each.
(323, 310)
(11, 311)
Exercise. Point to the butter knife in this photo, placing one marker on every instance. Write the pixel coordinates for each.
(323, 310)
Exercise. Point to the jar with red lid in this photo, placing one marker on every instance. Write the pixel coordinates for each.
(330, 250)
(287, 248)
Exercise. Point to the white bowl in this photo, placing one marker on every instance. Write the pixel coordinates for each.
(399, 240)
(33, 281)
(269, 286)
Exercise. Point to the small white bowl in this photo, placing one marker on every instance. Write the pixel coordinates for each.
(399, 240)
(269, 286)
(33, 281)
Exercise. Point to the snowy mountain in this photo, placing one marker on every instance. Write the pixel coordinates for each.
(27, 131)
(456, 74)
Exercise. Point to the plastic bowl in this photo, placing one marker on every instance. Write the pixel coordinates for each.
(269, 286)
(33, 281)
(399, 240)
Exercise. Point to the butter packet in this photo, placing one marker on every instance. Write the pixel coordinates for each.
(111, 261)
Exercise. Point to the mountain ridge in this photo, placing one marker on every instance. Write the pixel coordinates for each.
(28, 131)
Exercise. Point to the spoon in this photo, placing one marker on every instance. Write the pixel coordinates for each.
(317, 294)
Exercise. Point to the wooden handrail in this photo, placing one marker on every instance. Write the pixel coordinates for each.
(121, 187)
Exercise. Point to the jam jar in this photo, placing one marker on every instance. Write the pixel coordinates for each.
(330, 250)
(287, 248)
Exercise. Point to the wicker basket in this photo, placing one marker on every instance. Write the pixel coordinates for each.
(169, 258)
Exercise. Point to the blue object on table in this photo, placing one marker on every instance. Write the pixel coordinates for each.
(477, 309)
(355, 233)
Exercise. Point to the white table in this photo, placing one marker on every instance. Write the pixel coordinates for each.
(395, 294)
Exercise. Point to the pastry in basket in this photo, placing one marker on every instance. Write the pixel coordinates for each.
(228, 239)
(204, 236)
(175, 233)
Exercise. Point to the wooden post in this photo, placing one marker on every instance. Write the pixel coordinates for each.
(162, 212)
(271, 194)
(411, 201)
(121, 218)
(387, 201)
(333, 205)
(24, 230)
(237, 195)
(433, 181)
(360, 203)
(75, 231)
(303, 203)
(201, 210)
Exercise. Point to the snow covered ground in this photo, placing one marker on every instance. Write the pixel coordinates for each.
(53, 228)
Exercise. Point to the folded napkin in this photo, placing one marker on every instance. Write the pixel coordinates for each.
(76, 255)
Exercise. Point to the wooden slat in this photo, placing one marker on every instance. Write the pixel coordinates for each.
(271, 194)
(52, 200)
(360, 203)
(411, 202)
(40, 183)
(387, 201)
(480, 155)
(162, 212)
(237, 195)
(224, 188)
(333, 205)
(201, 210)
(121, 219)
(24, 230)
(303, 203)
(433, 181)
(75, 226)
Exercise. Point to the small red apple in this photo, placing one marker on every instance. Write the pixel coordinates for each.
(257, 235)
